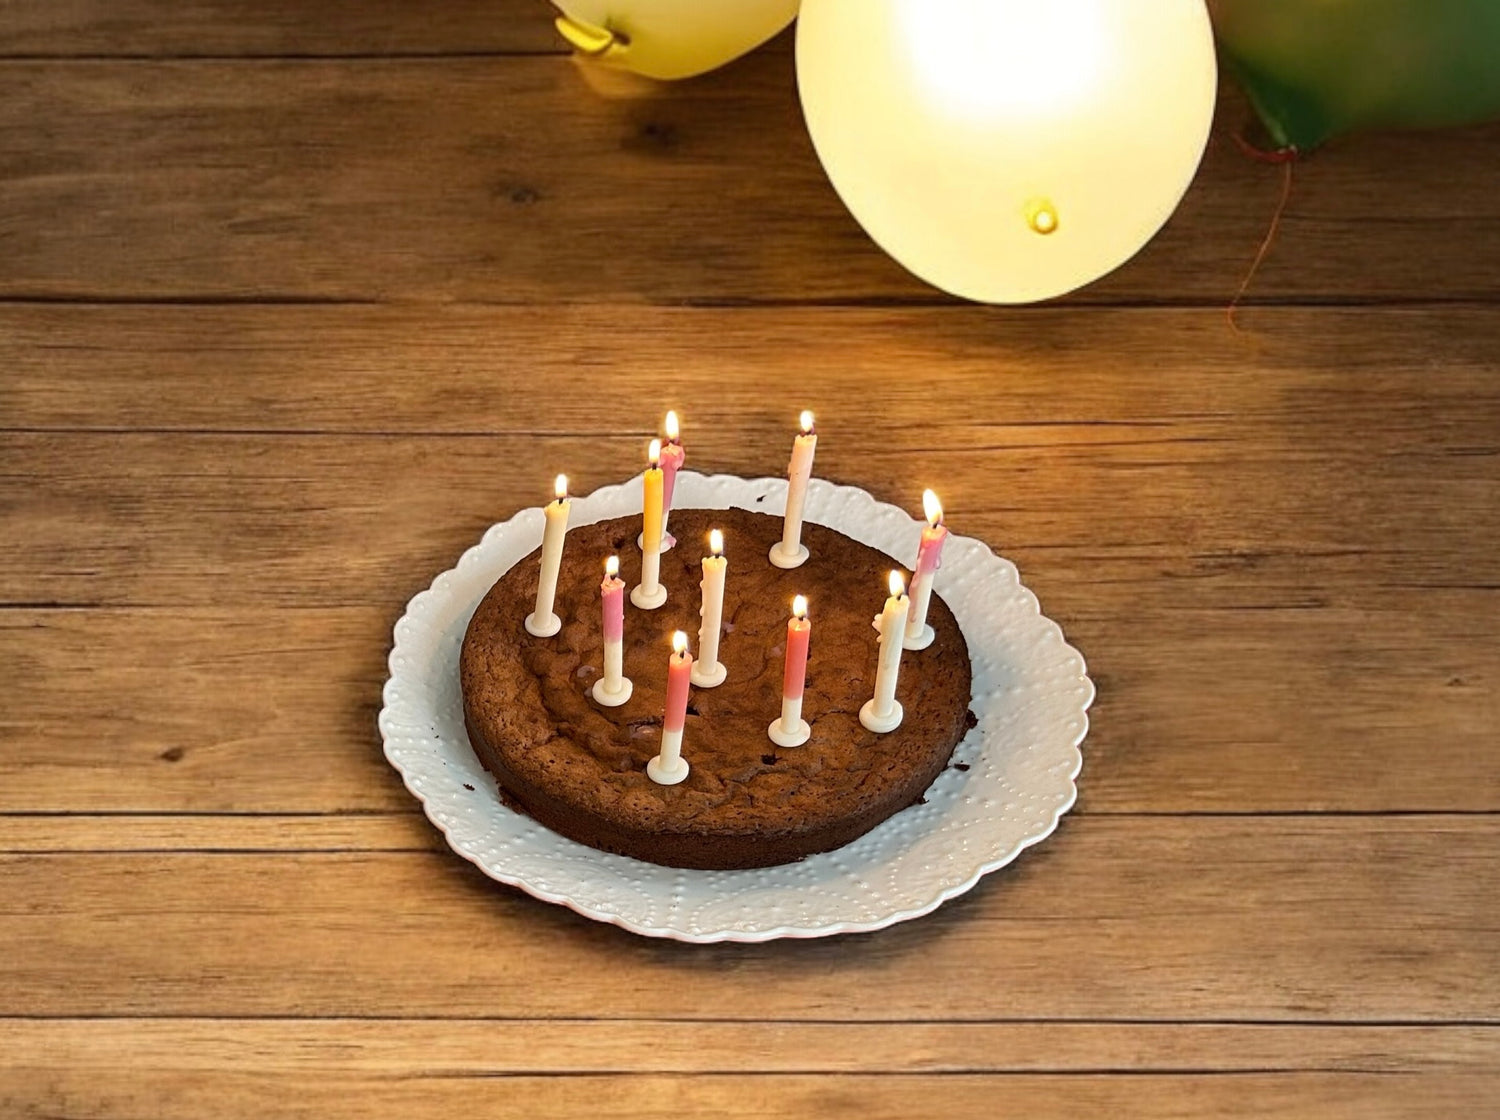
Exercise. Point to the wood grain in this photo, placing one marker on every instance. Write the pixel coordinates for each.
(457, 178)
(295, 300)
(980, 378)
(51, 1092)
(209, 710)
(55, 29)
(1245, 919)
(457, 1048)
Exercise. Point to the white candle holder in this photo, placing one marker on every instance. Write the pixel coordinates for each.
(708, 676)
(648, 600)
(783, 559)
(880, 724)
(649, 593)
(790, 730)
(668, 541)
(544, 627)
(612, 699)
(920, 640)
(668, 768)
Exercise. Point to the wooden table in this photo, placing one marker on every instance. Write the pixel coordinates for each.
(296, 299)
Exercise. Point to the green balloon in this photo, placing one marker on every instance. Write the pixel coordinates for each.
(1318, 68)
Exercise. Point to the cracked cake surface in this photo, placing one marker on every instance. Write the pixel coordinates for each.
(580, 768)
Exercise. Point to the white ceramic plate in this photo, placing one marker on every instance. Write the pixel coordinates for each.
(1030, 692)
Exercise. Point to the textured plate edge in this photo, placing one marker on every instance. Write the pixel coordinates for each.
(947, 894)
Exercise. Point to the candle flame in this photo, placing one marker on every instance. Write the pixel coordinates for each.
(612, 567)
(716, 542)
(671, 426)
(654, 453)
(679, 643)
(807, 422)
(799, 607)
(560, 487)
(933, 508)
(898, 585)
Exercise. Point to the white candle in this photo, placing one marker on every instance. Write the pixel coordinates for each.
(649, 593)
(708, 671)
(790, 552)
(614, 688)
(929, 556)
(882, 712)
(791, 730)
(542, 622)
(668, 767)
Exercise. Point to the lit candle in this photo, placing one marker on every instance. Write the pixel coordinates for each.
(790, 552)
(649, 593)
(882, 712)
(614, 688)
(791, 729)
(668, 767)
(672, 456)
(708, 671)
(542, 622)
(929, 555)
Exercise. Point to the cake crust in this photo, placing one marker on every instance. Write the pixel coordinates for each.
(580, 768)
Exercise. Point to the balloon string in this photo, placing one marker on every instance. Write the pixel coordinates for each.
(1285, 157)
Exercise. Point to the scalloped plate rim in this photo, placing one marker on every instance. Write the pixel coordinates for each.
(734, 934)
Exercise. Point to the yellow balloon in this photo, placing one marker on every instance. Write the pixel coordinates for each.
(671, 38)
(1008, 150)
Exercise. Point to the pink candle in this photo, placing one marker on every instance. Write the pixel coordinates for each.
(612, 592)
(679, 672)
(613, 688)
(798, 633)
(791, 730)
(668, 767)
(918, 634)
(672, 457)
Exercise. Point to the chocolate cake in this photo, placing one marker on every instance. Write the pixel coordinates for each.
(580, 769)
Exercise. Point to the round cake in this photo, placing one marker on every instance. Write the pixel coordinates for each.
(580, 768)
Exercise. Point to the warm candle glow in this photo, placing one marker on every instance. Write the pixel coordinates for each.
(898, 584)
(560, 487)
(679, 642)
(807, 422)
(799, 607)
(653, 453)
(612, 567)
(716, 542)
(933, 508)
(671, 426)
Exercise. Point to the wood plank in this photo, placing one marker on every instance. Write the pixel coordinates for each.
(1413, 379)
(1369, 919)
(122, 1094)
(1256, 520)
(31, 831)
(273, 711)
(489, 1048)
(285, 28)
(516, 182)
